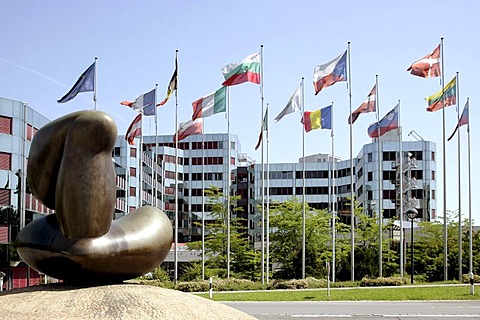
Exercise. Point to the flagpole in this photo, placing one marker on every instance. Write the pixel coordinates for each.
(95, 86)
(334, 215)
(228, 186)
(459, 187)
(400, 142)
(379, 148)
(175, 277)
(155, 159)
(352, 202)
(445, 240)
(470, 249)
(263, 170)
(268, 199)
(303, 184)
(203, 202)
(140, 165)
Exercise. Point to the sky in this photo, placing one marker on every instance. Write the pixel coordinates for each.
(46, 45)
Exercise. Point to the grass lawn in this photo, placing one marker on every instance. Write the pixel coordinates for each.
(441, 292)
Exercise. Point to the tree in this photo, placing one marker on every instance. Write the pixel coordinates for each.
(244, 262)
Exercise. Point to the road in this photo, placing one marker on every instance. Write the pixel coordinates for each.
(361, 310)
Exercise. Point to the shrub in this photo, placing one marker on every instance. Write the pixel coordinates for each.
(377, 282)
(192, 286)
(288, 284)
(316, 283)
(234, 284)
(466, 278)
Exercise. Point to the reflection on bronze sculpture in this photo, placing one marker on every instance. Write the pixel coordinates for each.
(70, 170)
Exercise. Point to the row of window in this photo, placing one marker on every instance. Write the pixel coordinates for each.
(392, 155)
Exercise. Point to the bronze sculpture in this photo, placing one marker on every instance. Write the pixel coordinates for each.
(70, 170)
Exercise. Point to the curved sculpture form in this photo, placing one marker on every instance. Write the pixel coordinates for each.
(70, 169)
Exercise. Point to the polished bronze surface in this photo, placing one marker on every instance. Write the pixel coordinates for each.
(70, 169)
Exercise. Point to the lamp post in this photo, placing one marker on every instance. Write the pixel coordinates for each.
(411, 214)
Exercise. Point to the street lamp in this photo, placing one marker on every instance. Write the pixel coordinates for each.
(411, 214)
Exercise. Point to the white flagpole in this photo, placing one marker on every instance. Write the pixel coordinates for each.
(352, 200)
(95, 86)
(175, 278)
(379, 206)
(262, 273)
(445, 220)
(140, 166)
(228, 186)
(268, 196)
(400, 142)
(303, 184)
(460, 248)
(470, 249)
(155, 159)
(334, 214)
(203, 201)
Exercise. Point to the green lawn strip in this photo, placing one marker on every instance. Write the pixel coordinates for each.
(356, 294)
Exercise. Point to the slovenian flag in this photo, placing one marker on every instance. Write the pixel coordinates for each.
(247, 70)
(331, 72)
(211, 104)
(387, 123)
(188, 128)
(318, 119)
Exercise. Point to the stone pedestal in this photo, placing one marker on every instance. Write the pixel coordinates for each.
(121, 301)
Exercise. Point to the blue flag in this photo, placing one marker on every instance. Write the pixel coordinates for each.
(85, 83)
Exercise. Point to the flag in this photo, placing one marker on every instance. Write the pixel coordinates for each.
(210, 104)
(134, 130)
(294, 104)
(145, 103)
(172, 86)
(262, 129)
(188, 128)
(464, 119)
(318, 119)
(331, 72)
(246, 70)
(435, 101)
(369, 105)
(387, 123)
(428, 66)
(85, 83)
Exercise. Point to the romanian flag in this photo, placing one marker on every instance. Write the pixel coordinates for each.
(387, 123)
(464, 119)
(428, 66)
(369, 105)
(331, 72)
(435, 101)
(239, 72)
(318, 119)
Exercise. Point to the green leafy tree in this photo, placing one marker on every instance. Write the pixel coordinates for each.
(244, 262)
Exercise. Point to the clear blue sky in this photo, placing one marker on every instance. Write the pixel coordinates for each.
(46, 45)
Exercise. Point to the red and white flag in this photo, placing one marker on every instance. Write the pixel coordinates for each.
(369, 105)
(188, 128)
(134, 130)
(428, 66)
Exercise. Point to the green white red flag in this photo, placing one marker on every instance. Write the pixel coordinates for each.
(246, 70)
(211, 104)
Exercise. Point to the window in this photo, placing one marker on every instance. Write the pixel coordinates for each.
(133, 172)
(433, 175)
(169, 174)
(370, 176)
(5, 161)
(132, 192)
(433, 194)
(369, 157)
(5, 125)
(417, 155)
(389, 155)
(197, 161)
(186, 161)
(232, 161)
(389, 194)
(433, 155)
(29, 132)
(232, 145)
(389, 175)
(417, 174)
(133, 152)
(116, 152)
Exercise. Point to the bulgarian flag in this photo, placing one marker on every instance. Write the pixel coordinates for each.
(210, 104)
(318, 119)
(435, 101)
(246, 70)
(188, 128)
(134, 130)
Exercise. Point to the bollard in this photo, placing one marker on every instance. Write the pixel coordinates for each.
(1, 280)
(472, 283)
(211, 287)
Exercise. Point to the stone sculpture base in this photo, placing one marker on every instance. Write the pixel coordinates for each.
(122, 301)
